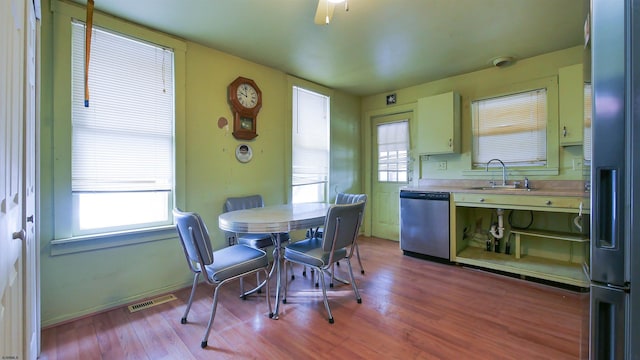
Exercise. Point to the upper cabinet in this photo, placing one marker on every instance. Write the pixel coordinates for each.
(571, 104)
(439, 124)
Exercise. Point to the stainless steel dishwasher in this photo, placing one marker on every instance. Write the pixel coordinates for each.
(424, 223)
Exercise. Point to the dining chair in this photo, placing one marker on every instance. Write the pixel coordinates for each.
(341, 228)
(341, 198)
(218, 267)
(258, 241)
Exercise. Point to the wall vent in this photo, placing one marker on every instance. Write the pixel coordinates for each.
(152, 302)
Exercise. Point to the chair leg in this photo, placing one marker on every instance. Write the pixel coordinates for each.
(203, 344)
(333, 268)
(324, 294)
(266, 273)
(353, 282)
(284, 296)
(193, 292)
(242, 293)
(359, 261)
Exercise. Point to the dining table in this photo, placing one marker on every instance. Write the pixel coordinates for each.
(275, 220)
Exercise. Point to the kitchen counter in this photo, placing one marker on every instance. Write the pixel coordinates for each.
(571, 188)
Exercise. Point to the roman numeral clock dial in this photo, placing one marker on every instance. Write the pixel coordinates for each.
(245, 99)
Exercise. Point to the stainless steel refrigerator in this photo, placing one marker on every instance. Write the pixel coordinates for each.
(614, 38)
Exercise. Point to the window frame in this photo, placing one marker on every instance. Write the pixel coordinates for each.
(307, 85)
(63, 241)
(489, 125)
(553, 144)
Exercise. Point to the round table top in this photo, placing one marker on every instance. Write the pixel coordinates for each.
(274, 219)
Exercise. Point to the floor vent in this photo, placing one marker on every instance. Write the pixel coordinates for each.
(150, 303)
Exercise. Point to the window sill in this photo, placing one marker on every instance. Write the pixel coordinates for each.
(111, 240)
(512, 172)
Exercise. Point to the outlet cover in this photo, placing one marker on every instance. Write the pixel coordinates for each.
(577, 164)
(442, 165)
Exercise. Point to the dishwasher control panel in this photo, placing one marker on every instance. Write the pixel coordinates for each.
(424, 195)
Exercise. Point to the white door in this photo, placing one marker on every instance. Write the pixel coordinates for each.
(12, 231)
(31, 248)
(390, 144)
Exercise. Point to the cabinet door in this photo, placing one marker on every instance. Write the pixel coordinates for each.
(439, 124)
(571, 92)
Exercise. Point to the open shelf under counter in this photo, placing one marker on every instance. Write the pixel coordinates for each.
(574, 238)
(564, 272)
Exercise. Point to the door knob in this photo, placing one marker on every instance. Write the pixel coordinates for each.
(22, 235)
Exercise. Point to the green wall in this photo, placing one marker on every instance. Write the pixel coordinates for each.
(482, 83)
(80, 283)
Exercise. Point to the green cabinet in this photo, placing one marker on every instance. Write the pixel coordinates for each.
(439, 124)
(571, 105)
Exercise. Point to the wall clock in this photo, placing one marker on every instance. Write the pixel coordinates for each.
(245, 99)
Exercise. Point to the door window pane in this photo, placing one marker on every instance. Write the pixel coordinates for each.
(393, 151)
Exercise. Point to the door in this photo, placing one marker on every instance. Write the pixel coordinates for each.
(31, 248)
(12, 40)
(390, 144)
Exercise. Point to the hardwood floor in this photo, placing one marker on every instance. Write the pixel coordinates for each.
(411, 309)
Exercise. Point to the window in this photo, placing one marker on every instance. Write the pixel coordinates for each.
(393, 151)
(511, 128)
(122, 144)
(310, 146)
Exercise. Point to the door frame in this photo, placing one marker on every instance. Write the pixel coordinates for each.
(368, 127)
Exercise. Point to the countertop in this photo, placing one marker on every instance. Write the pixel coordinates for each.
(572, 188)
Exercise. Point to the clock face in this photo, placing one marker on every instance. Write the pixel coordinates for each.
(247, 95)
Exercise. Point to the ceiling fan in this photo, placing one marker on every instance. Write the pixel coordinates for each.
(324, 13)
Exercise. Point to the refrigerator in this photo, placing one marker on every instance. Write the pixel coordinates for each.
(614, 270)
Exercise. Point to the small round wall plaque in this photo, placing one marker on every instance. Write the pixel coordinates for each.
(244, 153)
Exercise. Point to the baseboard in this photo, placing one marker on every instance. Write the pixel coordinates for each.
(59, 320)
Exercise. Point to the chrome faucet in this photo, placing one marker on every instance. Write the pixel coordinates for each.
(504, 170)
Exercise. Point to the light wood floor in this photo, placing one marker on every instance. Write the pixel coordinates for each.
(411, 309)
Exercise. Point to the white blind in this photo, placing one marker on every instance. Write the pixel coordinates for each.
(310, 140)
(511, 128)
(124, 140)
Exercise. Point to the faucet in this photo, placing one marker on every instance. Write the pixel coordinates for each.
(504, 170)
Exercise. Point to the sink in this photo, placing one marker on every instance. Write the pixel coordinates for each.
(499, 188)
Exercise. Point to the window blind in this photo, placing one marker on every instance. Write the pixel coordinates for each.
(310, 139)
(511, 128)
(124, 140)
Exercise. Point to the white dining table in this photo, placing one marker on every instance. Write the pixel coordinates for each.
(275, 219)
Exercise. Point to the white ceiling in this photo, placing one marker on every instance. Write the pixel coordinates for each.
(375, 47)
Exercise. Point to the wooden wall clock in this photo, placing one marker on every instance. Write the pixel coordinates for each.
(246, 100)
